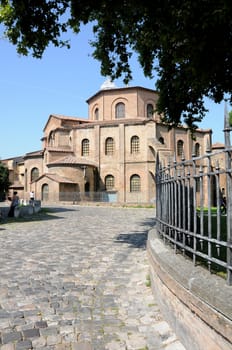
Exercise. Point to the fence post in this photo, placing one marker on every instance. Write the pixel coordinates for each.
(227, 129)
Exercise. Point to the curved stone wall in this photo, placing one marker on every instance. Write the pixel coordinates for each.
(197, 304)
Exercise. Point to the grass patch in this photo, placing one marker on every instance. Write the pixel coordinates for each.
(218, 232)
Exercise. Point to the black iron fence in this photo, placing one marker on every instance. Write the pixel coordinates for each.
(194, 207)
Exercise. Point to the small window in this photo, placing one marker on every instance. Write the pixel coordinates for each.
(161, 140)
(150, 110)
(51, 139)
(34, 174)
(109, 146)
(180, 148)
(135, 183)
(134, 144)
(96, 114)
(109, 182)
(120, 110)
(85, 147)
(197, 149)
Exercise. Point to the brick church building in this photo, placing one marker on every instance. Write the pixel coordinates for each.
(110, 156)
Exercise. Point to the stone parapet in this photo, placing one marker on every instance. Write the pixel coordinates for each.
(197, 304)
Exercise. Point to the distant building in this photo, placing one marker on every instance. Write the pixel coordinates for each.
(110, 156)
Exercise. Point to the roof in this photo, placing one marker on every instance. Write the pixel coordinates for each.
(56, 178)
(102, 91)
(67, 118)
(218, 145)
(18, 159)
(116, 122)
(16, 185)
(59, 149)
(33, 154)
(71, 160)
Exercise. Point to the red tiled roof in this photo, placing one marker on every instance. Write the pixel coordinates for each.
(56, 178)
(70, 160)
(218, 145)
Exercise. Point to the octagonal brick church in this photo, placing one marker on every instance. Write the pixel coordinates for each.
(108, 157)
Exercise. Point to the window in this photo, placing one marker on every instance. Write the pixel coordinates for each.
(161, 140)
(120, 110)
(109, 182)
(96, 114)
(197, 149)
(45, 192)
(25, 179)
(51, 139)
(109, 146)
(34, 174)
(150, 110)
(85, 147)
(180, 147)
(135, 183)
(134, 144)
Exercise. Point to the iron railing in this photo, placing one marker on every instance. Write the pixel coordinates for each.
(189, 210)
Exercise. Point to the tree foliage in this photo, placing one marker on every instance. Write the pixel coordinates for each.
(188, 44)
(4, 179)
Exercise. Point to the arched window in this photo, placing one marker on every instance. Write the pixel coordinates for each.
(150, 110)
(51, 139)
(120, 110)
(25, 179)
(161, 140)
(135, 185)
(134, 144)
(85, 147)
(109, 182)
(109, 146)
(180, 147)
(197, 149)
(34, 174)
(45, 192)
(96, 114)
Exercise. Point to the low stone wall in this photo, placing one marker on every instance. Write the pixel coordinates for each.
(197, 304)
(25, 210)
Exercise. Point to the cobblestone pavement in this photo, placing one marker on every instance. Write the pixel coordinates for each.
(78, 278)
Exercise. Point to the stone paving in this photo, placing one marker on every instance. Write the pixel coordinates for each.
(77, 278)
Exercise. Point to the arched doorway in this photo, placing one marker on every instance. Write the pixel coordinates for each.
(45, 192)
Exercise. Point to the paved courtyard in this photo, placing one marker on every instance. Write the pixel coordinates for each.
(78, 278)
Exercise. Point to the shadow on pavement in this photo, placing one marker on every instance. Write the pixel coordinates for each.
(134, 239)
(149, 222)
(57, 209)
(46, 213)
(137, 239)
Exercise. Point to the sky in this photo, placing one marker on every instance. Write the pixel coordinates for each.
(60, 83)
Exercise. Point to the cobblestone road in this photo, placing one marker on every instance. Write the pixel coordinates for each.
(78, 278)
